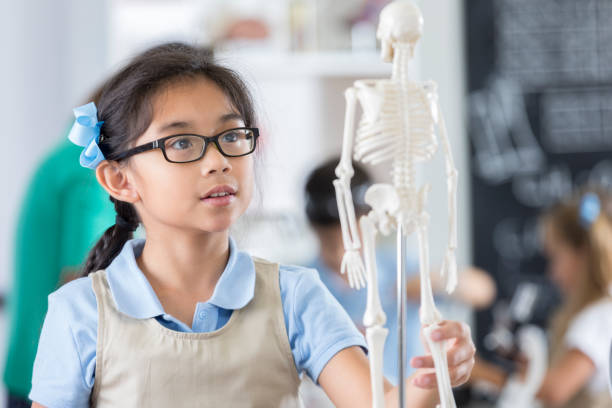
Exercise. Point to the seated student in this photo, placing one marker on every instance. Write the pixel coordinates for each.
(475, 287)
(577, 238)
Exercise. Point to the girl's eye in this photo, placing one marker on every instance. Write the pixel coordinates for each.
(180, 143)
(230, 137)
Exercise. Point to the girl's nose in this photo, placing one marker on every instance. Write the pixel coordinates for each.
(214, 162)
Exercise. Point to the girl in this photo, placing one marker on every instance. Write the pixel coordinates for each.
(578, 242)
(577, 237)
(184, 318)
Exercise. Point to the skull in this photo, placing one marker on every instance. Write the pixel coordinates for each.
(401, 22)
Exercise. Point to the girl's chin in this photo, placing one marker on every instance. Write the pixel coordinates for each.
(219, 226)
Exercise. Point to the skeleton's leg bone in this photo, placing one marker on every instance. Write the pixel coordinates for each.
(374, 317)
(438, 352)
(429, 314)
(374, 314)
(376, 336)
(430, 317)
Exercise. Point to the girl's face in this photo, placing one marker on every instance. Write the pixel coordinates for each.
(177, 195)
(565, 263)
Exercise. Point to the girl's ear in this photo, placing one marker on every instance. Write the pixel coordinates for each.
(113, 178)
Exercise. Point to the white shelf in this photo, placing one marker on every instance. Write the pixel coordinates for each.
(321, 64)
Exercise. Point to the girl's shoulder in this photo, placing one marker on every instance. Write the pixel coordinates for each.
(77, 287)
(599, 311)
(289, 273)
(296, 280)
(296, 271)
(75, 300)
(591, 329)
(589, 332)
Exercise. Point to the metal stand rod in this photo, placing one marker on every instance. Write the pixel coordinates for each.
(401, 314)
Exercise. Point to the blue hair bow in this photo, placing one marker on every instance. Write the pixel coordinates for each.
(85, 132)
(589, 209)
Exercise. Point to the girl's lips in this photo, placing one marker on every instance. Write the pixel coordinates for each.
(219, 201)
(220, 189)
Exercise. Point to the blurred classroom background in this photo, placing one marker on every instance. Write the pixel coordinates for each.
(525, 90)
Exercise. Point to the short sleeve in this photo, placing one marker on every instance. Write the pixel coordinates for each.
(317, 326)
(590, 332)
(65, 361)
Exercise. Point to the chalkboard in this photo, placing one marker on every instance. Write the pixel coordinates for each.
(540, 124)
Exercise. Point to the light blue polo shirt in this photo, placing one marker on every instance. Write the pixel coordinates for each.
(317, 326)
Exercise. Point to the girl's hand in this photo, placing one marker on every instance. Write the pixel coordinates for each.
(460, 355)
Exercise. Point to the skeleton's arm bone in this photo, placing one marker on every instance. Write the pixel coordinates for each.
(345, 168)
(450, 264)
(350, 235)
(344, 172)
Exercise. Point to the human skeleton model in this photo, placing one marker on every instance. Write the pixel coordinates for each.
(397, 126)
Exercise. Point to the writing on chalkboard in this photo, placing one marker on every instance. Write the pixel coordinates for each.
(553, 184)
(600, 174)
(544, 188)
(576, 120)
(503, 140)
(546, 42)
(516, 239)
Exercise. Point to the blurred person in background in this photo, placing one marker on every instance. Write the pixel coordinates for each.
(63, 213)
(475, 288)
(577, 240)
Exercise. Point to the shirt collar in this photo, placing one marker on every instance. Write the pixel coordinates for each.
(136, 298)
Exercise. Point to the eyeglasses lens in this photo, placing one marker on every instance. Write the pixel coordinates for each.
(185, 148)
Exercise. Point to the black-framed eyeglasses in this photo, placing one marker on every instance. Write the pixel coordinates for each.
(185, 148)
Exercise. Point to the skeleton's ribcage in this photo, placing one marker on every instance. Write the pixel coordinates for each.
(394, 125)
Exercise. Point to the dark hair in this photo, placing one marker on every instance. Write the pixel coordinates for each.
(125, 105)
(321, 204)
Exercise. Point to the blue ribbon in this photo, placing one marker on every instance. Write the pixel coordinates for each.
(85, 132)
(590, 207)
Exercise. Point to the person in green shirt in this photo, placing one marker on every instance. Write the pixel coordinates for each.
(64, 213)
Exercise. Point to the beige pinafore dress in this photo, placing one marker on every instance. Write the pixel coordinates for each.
(246, 363)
